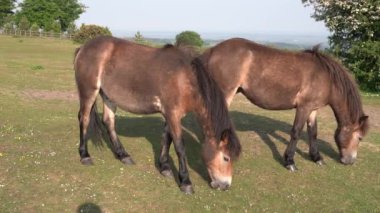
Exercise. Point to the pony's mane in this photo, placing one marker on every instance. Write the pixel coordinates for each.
(217, 110)
(342, 81)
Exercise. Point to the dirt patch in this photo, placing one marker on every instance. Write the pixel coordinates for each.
(374, 116)
(51, 95)
(370, 146)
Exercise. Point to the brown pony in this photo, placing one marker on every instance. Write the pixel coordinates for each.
(145, 80)
(278, 80)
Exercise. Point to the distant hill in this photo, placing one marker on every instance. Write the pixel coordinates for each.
(283, 41)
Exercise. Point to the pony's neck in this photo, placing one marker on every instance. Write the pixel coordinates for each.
(342, 112)
(205, 122)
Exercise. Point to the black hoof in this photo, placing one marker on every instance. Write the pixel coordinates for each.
(291, 167)
(86, 161)
(128, 161)
(187, 189)
(167, 173)
(320, 163)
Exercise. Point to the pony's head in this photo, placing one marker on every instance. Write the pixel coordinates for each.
(348, 137)
(218, 157)
(347, 107)
(222, 145)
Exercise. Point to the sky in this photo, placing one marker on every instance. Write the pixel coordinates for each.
(124, 17)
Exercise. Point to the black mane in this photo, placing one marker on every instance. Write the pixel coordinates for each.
(217, 109)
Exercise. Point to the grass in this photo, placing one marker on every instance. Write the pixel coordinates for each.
(40, 169)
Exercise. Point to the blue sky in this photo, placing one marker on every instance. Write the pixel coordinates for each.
(203, 16)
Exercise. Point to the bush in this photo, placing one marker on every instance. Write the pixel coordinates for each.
(363, 59)
(53, 27)
(72, 28)
(24, 24)
(35, 27)
(88, 32)
(189, 38)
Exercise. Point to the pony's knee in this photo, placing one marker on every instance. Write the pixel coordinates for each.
(295, 133)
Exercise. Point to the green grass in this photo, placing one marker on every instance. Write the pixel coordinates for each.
(40, 169)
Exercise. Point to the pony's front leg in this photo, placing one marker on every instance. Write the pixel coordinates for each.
(299, 121)
(163, 161)
(312, 130)
(183, 173)
(184, 179)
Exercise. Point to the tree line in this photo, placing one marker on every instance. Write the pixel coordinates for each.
(46, 15)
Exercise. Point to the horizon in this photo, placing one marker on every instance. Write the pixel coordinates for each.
(301, 40)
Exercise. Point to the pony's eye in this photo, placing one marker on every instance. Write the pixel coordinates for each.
(225, 158)
(360, 138)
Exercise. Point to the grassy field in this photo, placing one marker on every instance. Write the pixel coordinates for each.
(40, 169)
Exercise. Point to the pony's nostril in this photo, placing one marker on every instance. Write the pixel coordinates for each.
(224, 186)
(214, 184)
(348, 160)
(220, 185)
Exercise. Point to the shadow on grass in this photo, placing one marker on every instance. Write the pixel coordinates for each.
(152, 127)
(267, 127)
(89, 208)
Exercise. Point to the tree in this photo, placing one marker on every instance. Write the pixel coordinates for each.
(34, 27)
(8, 27)
(9, 23)
(6, 10)
(24, 24)
(88, 32)
(354, 25)
(54, 27)
(46, 12)
(72, 28)
(70, 10)
(138, 38)
(189, 38)
(363, 58)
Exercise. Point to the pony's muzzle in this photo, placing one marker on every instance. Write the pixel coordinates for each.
(223, 185)
(348, 160)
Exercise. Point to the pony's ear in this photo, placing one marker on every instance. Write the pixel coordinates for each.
(363, 119)
(364, 124)
(224, 138)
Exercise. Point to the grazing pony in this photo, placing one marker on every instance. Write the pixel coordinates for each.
(278, 80)
(146, 80)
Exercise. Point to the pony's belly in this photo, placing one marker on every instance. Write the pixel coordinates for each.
(139, 107)
(269, 94)
(135, 103)
(271, 102)
(270, 105)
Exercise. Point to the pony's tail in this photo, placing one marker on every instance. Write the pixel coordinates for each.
(76, 54)
(216, 106)
(96, 127)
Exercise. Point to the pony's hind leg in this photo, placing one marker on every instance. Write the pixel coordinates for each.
(163, 162)
(312, 129)
(109, 121)
(85, 114)
(299, 121)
